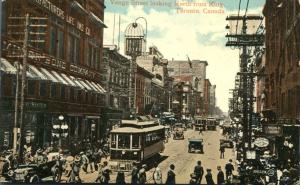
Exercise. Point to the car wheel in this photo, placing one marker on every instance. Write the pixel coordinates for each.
(34, 179)
(56, 175)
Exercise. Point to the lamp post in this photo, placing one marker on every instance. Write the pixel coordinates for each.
(61, 126)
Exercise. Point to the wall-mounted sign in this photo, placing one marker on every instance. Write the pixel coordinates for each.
(61, 14)
(272, 129)
(261, 142)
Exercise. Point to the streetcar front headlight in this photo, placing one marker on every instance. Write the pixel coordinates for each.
(123, 152)
(10, 173)
(134, 153)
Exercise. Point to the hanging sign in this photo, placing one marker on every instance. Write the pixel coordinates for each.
(261, 142)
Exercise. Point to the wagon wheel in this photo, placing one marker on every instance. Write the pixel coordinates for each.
(56, 175)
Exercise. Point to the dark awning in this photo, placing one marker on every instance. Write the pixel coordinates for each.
(75, 5)
(97, 20)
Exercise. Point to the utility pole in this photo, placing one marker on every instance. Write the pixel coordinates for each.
(24, 70)
(245, 40)
(15, 131)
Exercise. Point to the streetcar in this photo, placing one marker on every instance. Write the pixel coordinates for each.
(211, 123)
(200, 123)
(138, 141)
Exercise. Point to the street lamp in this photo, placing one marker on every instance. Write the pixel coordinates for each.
(60, 127)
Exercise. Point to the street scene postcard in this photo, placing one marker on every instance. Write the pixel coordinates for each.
(150, 92)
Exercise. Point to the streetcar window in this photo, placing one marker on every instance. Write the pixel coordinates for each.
(135, 141)
(113, 140)
(123, 141)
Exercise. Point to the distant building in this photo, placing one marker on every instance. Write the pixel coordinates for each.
(206, 98)
(154, 62)
(116, 72)
(193, 72)
(212, 100)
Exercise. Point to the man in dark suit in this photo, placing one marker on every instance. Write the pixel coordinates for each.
(220, 176)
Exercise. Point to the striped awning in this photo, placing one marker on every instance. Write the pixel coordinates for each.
(60, 78)
(37, 72)
(49, 75)
(69, 80)
(7, 67)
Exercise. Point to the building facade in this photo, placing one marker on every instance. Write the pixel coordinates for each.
(282, 69)
(63, 76)
(143, 91)
(206, 99)
(116, 69)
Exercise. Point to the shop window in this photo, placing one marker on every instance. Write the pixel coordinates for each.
(43, 88)
(72, 94)
(53, 93)
(31, 88)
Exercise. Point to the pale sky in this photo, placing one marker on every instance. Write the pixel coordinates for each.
(200, 36)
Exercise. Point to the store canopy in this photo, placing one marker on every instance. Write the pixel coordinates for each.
(77, 82)
(60, 78)
(37, 72)
(7, 67)
(69, 80)
(85, 85)
(92, 86)
(49, 75)
(28, 74)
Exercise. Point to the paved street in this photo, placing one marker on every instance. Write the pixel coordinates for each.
(176, 152)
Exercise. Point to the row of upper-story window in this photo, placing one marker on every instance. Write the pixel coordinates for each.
(53, 91)
(119, 77)
(60, 40)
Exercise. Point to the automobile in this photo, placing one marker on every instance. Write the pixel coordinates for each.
(34, 173)
(195, 145)
(178, 133)
(227, 143)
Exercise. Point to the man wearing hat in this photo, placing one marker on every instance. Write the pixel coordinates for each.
(85, 161)
(208, 177)
(105, 172)
(75, 169)
(171, 175)
(220, 176)
(134, 173)
(198, 171)
(229, 168)
(142, 174)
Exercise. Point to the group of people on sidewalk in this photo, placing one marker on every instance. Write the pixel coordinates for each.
(199, 172)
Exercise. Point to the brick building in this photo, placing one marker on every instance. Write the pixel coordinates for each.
(283, 57)
(206, 98)
(63, 75)
(282, 69)
(116, 69)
